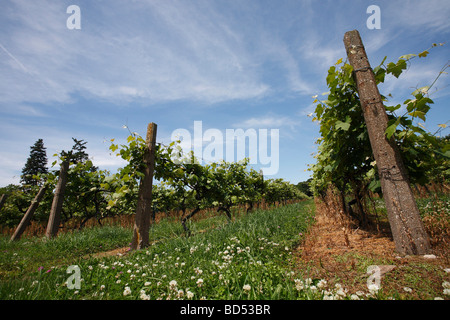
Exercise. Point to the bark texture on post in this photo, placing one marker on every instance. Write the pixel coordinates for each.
(407, 228)
(58, 198)
(144, 205)
(29, 214)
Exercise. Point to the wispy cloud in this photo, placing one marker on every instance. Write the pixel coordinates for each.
(15, 59)
(200, 56)
(234, 63)
(267, 121)
(418, 16)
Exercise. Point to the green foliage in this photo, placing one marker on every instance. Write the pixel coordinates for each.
(36, 165)
(345, 158)
(344, 152)
(181, 183)
(185, 184)
(305, 187)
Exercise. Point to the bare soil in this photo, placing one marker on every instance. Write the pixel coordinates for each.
(337, 251)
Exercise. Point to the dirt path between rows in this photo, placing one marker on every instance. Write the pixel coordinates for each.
(340, 253)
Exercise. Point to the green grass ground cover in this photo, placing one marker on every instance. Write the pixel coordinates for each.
(248, 258)
(253, 257)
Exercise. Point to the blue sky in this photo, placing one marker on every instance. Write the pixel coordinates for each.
(230, 64)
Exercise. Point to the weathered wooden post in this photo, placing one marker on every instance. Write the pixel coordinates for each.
(3, 200)
(407, 228)
(144, 205)
(55, 212)
(29, 214)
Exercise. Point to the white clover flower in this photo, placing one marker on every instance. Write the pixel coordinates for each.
(102, 287)
(328, 297)
(147, 284)
(373, 288)
(407, 289)
(298, 284)
(247, 288)
(198, 270)
(144, 296)
(341, 293)
(180, 294)
(322, 284)
(308, 281)
(189, 295)
(354, 297)
(199, 282)
(173, 284)
(127, 291)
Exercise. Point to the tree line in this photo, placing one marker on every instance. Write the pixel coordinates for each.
(183, 185)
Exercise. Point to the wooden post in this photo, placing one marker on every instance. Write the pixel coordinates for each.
(29, 214)
(407, 228)
(144, 205)
(3, 200)
(58, 198)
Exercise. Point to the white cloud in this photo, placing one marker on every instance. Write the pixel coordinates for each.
(418, 15)
(181, 53)
(271, 121)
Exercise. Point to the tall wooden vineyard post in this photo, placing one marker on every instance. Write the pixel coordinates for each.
(407, 228)
(144, 205)
(55, 212)
(29, 214)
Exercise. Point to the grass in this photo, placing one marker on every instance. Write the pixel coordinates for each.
(20, 258)
(249, 258)
(257, 256)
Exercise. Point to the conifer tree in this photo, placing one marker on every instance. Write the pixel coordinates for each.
(36, 164)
